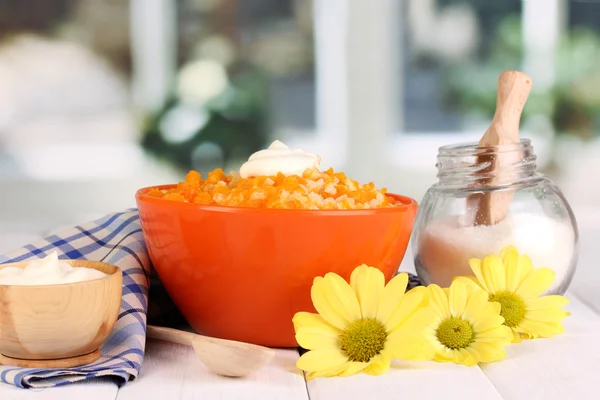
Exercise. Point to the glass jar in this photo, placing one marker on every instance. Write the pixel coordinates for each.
(537, 219)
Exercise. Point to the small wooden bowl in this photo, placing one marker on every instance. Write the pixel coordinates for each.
(58, 326)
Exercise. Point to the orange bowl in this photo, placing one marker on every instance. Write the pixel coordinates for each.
(242, 273)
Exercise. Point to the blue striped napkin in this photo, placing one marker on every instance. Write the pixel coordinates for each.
(116, 239)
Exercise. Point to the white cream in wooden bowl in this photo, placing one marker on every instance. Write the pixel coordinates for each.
(47, 271)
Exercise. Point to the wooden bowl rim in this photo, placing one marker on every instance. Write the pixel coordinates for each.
(74, 263)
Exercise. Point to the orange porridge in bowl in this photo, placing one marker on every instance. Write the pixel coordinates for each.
(278, 177)
(314, 190)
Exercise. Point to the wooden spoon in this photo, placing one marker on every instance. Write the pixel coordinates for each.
(223, 357)
(513, 89)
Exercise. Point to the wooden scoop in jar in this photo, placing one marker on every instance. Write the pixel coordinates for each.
(513, 89)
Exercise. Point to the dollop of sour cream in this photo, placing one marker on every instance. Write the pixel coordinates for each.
(279, 158)
(47, 271)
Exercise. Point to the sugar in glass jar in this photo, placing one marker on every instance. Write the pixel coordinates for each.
(539, 221)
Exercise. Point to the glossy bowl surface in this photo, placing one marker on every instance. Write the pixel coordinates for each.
(49, 322)
(242, 273)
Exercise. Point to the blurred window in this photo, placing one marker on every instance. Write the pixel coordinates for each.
(375, 87)
(441, 88)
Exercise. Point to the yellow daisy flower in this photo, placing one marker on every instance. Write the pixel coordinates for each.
(468, 328)
(361, 326)
(511, 281)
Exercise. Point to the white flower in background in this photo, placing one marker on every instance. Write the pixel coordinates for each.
(201, 80)
(182, 122)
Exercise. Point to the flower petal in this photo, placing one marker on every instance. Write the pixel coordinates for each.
(457, 298)
(367, 283)
(303, 318)
(311, 337)
(411, 346)
(379, 365)
(335, 371)
(509, 254)
(474, 353)
(516, 267)
(497, 332)
(442, 358)
(501, 334)
(438, 301)
(421, 319)
(353, 368)
(487, 352)
(535, 283)
(322, 359)
(483, 324)
(549, 315)
(409, 304)
(391, 295)
(446, 353)
(546, 302)
(335, 300)
(476, 265)
(471, 282)
(491, 309)
(544, 329)
(462, 356)
(476, 303)
(516, 336)
(494, 273)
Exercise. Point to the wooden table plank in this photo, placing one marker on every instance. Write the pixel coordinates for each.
(172, 371)
(96, 389)
(423, 380)
(563, 367)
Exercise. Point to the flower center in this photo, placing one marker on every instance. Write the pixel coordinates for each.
(512, 307)
(455, 333)
(363, 339)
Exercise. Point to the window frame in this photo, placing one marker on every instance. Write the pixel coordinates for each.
(358, 127)
(358, 72)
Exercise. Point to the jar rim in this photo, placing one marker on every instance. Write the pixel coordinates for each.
(468, 164)
(473, 148)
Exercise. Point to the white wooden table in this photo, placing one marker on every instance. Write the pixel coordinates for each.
(564, 367)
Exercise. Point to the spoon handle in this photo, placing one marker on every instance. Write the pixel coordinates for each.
(170, 335)
(513, 89)
(194, 339)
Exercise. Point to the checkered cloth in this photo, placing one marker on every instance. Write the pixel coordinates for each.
(116, 239)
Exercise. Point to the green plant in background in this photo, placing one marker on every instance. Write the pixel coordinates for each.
(218, 124)
(234, 54)
(572, 102)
